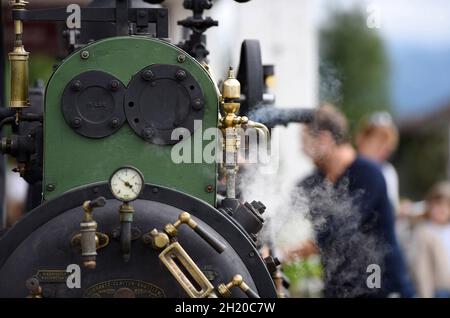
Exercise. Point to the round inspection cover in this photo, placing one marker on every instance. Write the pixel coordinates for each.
(92, 104)
(161, 98)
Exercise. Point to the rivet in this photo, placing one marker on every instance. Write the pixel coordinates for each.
(76, 122)
(147, 75)
(50, 187)
(180, 75)
(115, 122)
(148, 133)
(76, 86)
(197, 104)
(114, 85)
(209, 188)
(181, 58)
(84, 55)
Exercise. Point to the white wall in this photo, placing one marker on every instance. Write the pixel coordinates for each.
(288, 36)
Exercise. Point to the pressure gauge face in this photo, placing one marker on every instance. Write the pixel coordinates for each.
(126, 184)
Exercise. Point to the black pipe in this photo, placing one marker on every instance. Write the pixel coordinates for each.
(274, 116)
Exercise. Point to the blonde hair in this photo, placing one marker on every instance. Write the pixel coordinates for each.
(379, 124)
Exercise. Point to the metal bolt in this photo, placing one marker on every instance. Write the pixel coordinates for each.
(209, 188)
(115, 122)
(251, 254)
(147, 239)
(181, 58)
(84, 55)
(148, 133)
(76, 86)
(51, 187)
(114, 85)
(197, 104)
(76, 122)
(180, 75)
(147, 75)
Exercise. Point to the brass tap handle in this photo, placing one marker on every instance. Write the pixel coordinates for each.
(185, 218)
(237, 281)
(34, 288)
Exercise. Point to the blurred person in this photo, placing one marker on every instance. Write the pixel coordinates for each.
(376, 139)
(432, 242)
(16, 194)
(349, 208)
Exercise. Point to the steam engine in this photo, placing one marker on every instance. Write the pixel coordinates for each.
(107, 197)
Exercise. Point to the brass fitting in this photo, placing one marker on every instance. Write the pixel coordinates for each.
(237, 281)
(19, 64)
(89, 239)
(159, 239)
(185, 218)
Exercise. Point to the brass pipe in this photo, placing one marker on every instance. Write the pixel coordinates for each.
(19, 65)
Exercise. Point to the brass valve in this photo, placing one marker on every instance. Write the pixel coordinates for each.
(88, 238)
(185, 218)
(237, 281)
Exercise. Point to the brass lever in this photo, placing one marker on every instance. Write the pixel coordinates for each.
(185, 218)
(175, 256)
(237, 281)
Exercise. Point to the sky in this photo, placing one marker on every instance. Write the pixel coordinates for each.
(417, 40)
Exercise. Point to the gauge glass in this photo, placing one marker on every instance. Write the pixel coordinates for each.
(126, 184)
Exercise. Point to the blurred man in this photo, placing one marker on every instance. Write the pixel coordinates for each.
(351, 214)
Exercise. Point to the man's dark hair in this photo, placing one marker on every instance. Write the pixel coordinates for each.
(329, 118)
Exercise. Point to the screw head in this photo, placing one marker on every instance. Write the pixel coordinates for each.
(148, 133)
(181, 58)
(84, 55)
(147, 75)
(76, 122)
(50, 187)
(114, 85)
(76, 86)
(197, 104)
(115, 122)
(180, 75)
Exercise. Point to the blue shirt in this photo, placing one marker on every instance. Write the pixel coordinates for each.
(355, 227)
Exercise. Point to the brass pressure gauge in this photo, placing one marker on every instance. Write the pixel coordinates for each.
(126, 184)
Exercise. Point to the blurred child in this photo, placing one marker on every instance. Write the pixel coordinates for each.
(377, 139)
(432, 241)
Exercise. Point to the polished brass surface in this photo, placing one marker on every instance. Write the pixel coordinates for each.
(237, 281)
(19, 64)
(175, 252)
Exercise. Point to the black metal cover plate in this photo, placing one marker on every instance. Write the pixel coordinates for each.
(161, 98)
(92, 104)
